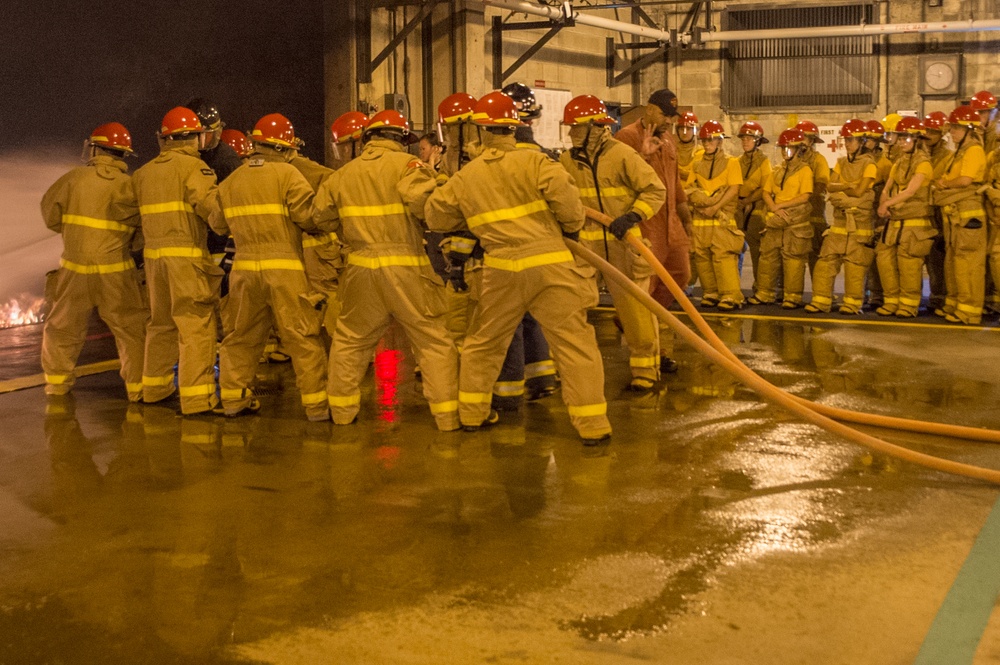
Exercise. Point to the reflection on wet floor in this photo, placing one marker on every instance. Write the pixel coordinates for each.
(130, 534)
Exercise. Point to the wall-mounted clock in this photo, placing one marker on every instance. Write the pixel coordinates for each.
(940, 74)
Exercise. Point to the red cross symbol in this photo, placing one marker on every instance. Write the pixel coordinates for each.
(832, 145)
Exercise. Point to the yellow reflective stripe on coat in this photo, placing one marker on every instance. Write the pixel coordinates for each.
(98, 269)
(169, 206)
(183, 252)
(643, 208)
(588, 410)
(438, 408)
(508, 388)
(387, 261)
(258, 209)
(344, 400)
(372, 211)
(57, 379)
(311, 399)
(591, 192)
(94, 223)
(506, 213)
(462, 245)
(250, 265)
(713, 222)
(840, 230)
(317, 241)
(197, 391)
(475, 398)
(517, 265)
(165, 380)
(644, 361)
(593, 236)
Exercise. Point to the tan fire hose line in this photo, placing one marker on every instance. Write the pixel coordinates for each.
(774, 393)
(889, 422)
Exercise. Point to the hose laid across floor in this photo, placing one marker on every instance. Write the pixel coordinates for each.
(889, 422)
(773, 392)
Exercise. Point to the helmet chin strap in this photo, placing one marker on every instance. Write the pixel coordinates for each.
(582, 150)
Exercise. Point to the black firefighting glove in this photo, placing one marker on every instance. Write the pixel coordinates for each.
(456, 275)
(572, 235)
(622, 224)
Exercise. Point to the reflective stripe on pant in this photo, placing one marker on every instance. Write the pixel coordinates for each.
(539, 369)
(784, 253)
(716, 247)
(371, 298)
(640, 326)
(849, 250)
(508, 391)
(120, 305)
(965, 267)
(273, 298)
(901, 260)
(558, 296)
(183, 293)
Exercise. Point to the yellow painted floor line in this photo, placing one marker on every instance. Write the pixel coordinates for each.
(847, 320)
(36, 380)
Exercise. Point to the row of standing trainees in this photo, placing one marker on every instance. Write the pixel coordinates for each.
(895, 208)
(276, 208)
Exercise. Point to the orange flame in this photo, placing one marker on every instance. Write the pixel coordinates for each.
(21, 311)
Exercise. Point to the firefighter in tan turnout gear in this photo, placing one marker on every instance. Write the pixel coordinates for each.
(712, 189)
(375, 203)
(755, 169)
(848, 241)
(518, 203)
(821, 178)
(956, 193)
(787, 237)
(266, 206)
(177, 195)
(95, 210)
(614, 179)
(907, 238)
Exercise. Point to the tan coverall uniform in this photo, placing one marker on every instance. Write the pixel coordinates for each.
(716, 241)
(907, 239)
(518, 202)
(615, 180)
(940, 156)
(993, 240)
(817, 216)
(95, 210)
(755, 169)
(323, 253)
(687, 153)
(375, 202)
(785, 245)
(266, 206)
(965, 233)
(177, 195)
(848, 241)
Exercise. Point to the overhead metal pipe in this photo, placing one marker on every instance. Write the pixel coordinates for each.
(865, 30)
(567, 12)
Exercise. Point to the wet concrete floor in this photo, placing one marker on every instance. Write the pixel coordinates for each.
(713, 528)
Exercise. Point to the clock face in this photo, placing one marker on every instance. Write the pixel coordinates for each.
(939, 75)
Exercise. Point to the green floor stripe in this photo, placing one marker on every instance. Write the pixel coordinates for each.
(959, 625)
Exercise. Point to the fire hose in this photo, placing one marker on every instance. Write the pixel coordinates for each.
(801, 407)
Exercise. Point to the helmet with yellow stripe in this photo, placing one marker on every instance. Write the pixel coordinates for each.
(276, 131)
(496, 110)
(585, 110)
